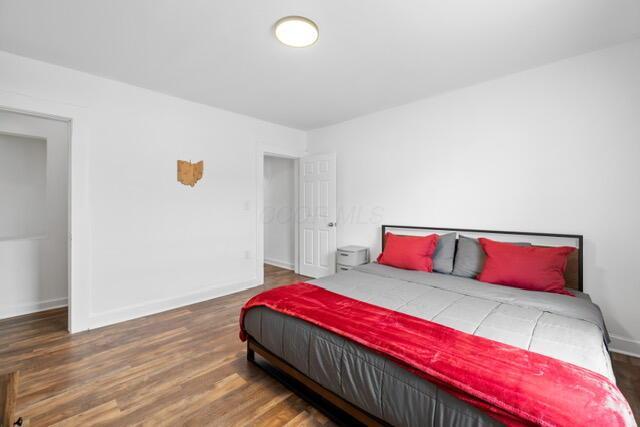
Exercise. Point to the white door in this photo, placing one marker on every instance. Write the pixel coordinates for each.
(318, 215)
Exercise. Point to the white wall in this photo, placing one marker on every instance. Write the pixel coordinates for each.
(155, 243)
(279, 210)
(23, 180)
(33, 247)
(553, 149)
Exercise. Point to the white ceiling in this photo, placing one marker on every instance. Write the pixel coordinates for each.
(371, 55)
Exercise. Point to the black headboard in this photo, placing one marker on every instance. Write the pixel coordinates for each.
(575, 237)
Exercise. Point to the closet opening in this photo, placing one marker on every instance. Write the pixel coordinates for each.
(34, 218)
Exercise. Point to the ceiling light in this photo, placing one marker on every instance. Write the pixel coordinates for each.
(296, 31)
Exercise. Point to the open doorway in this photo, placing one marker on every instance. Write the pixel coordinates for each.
(309, 214)
(279, 215)
(34, 217)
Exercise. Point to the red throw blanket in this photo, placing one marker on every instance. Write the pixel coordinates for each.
(515, 386)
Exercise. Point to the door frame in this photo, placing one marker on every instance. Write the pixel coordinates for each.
(79, 211)
(263, 150)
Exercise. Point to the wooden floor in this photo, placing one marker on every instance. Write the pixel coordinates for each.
(181, 367)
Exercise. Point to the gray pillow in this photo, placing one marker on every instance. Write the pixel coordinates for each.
(443, 256)
(470, 257)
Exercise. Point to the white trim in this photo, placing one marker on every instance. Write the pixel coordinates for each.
(281, 152)
(296, 217)
(624, 346)
(259, 216)
(79, 260)
(98, 320)
(22, 238)
(32, 307)
(262, 150)
(281, 264)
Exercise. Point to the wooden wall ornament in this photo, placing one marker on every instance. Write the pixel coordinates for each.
(190, 173)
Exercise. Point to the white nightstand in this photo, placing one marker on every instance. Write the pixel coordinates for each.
(351, 256)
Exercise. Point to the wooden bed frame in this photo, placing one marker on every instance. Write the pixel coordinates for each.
(573, 274)
(335, 407)
(330, 404)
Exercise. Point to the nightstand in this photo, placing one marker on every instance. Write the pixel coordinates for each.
(351, 256)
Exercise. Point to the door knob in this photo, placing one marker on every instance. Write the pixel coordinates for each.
(332, 224)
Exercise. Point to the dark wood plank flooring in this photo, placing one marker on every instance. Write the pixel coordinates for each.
(180, 367)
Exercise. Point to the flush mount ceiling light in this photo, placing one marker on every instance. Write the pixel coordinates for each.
(296, 31)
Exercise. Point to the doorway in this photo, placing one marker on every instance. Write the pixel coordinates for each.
(34, 214)
(313, 212)
(279, 213)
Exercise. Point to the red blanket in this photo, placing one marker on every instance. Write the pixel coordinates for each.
(515, 386)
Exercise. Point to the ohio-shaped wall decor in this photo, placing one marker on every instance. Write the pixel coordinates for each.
(190, 173)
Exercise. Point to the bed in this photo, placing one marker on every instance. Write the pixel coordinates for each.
(376, 391)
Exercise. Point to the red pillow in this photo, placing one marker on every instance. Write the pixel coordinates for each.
(527, 267)
(409, 252)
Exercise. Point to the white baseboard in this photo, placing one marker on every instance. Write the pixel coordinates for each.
(625, 346)
(281, 264)
(34, 307)
(98, 320)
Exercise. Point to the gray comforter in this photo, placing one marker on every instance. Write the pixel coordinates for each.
(569, 329)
